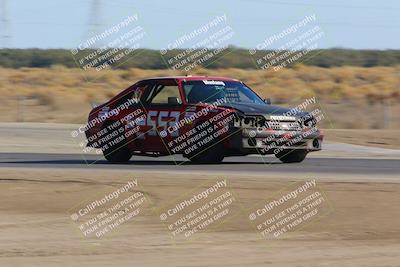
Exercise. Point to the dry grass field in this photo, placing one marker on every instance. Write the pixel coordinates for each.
(351, 97)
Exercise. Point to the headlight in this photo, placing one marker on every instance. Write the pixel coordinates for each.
(309, 121)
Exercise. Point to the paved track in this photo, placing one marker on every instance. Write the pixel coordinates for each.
(250, 164)
(36, 145)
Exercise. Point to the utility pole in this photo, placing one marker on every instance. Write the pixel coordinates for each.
(94, 25)
(5, 35)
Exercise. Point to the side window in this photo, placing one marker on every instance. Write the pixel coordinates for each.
(187, 88)
(135, 95)
(163, 92)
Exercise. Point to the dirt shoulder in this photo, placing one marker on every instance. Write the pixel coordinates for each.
(36, 228)
(376, 138)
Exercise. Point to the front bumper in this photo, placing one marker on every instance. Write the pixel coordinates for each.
(251, 140)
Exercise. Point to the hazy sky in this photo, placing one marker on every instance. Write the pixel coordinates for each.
(65, 23)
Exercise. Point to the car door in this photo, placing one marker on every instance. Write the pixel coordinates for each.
(164, 108)
(130, 114)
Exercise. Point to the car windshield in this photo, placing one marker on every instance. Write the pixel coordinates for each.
(209, 91)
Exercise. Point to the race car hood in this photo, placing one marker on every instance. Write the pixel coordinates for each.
(263, 109)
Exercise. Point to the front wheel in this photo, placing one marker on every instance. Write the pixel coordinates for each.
(291, 156)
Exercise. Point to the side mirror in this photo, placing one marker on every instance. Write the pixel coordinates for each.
(174, 101)
(94, 104)
(267, 101)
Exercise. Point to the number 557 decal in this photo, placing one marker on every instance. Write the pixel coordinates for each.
(158, 121)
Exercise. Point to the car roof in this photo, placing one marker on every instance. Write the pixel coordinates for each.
(191, 78)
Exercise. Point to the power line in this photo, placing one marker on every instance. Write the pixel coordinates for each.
(325, 5)
(5, 34)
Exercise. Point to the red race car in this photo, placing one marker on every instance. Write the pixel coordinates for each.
(203, 118)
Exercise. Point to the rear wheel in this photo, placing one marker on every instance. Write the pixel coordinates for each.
(211, 152)
(209, 155)
(116, 150)
(117, 155)
(291, 156)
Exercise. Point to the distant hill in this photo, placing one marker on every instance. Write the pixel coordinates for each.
(231, 58)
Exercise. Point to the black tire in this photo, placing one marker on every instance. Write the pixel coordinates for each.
(210, 153)
(292, 156)
(118, 153)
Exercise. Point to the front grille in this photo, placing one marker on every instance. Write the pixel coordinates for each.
(260, 122)
(283, 125)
